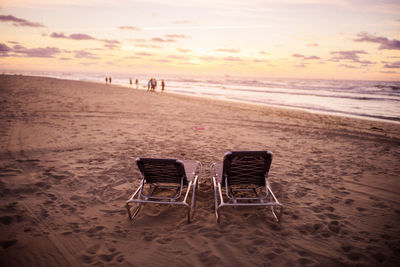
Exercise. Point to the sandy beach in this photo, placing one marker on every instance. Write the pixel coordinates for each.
(67, 166)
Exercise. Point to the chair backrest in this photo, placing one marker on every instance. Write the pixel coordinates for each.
(246, 167)
(162, 170)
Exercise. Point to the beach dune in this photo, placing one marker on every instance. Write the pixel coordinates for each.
(67, 166)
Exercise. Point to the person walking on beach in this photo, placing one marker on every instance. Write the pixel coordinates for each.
(148, 85)
(109, 80)
(137, 83)
(130, 82)
(162, 85)
(153, 84)
(106, 80)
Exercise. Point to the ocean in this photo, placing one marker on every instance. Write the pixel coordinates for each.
(379, 100)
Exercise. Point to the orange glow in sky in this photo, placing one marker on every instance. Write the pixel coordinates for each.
(342, 39)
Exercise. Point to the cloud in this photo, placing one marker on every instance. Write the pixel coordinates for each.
(260, 60)
(233, 59)
(306, 58)
(162, 60)
(184, 50)
(176, 36)
(110, 44)
(4, 48)
(352, 55)
(18, 22)
(44, 52)
(348, 66)
(148, 46)
(312, 45)
(227, 50)
(208, 58)
(143, 54)
(74, 36)
(300, 66)
(131, 28)
(297, 55)
(21, 51)
(81, 36)
(178, 57)
(13, 42)
(161, 40)
(388, 72)
(85, 54)
(384, 42)
(392, 65)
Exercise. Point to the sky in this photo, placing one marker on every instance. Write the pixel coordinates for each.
(317, 39)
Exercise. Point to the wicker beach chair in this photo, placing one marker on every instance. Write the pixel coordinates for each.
(244, 174)
(164, 181)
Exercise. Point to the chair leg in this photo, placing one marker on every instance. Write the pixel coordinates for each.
(193, 203)
(129, 211)
(279, 215)
(131, 216)
(188, 214)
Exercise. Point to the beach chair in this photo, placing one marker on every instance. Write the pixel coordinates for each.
(244, 175)
(164, 181)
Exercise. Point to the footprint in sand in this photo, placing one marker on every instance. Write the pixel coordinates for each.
(105, 255)
(207, 258)
(164, 241)
(7, 243)
(6, 220)
(305, 261)
(149, 236)
(354, 256)
(334, 226)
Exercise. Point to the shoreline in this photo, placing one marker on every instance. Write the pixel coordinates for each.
(67, 151)
(223, 98)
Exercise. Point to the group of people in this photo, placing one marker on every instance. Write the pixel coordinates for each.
(152, 85)
(136, 82)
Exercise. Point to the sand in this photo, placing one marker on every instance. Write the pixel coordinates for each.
(67, 151)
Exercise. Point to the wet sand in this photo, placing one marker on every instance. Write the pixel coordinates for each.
(67, 152)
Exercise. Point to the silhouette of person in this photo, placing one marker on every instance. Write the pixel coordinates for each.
(162, 85)
(130, 82)
(153, 84)
(148, 85)
(137, 83)
(109, 80)
(106, 80)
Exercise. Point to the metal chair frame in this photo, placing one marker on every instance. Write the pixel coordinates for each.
(268, 198)
(140, 198)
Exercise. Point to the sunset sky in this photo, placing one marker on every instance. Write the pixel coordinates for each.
(341, 39)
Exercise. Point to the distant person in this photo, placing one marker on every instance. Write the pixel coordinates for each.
(148, 85)
(162, 85)
(137, 83)
(109, 80)
(130, 82)
(153, 84)
(106, 80)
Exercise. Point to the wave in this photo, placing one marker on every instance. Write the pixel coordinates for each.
(392, 87)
